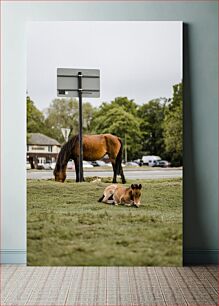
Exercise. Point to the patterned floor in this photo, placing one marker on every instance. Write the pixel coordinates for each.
(103, 286)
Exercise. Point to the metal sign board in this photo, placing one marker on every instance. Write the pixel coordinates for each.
(67, 82)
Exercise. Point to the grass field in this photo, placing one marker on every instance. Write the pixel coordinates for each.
(67, 226)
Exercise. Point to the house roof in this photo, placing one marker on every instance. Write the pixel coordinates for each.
(41, 139)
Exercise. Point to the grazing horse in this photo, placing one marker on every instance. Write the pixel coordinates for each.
(115, 194)
(95, 147)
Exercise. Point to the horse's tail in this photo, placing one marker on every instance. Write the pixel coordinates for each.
(119, 157)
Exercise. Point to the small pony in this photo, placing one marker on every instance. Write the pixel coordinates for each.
(116, 195)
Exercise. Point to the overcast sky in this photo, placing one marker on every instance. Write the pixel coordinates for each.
(139, 60)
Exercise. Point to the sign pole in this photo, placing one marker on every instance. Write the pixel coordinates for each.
(78, 83)
(81, 177)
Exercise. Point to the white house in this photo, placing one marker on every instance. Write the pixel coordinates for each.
(42, 149)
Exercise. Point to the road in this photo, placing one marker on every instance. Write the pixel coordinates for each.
(129, 174)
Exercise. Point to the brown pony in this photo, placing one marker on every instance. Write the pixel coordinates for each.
(94, 148)
(115, 194)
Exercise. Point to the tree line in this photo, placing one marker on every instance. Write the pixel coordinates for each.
(153, 128)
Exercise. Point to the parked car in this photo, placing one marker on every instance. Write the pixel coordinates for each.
(71, 164)
(47, 166)
(52, 165)
(43, 166)
(40, 166)
(153, 163)
(164, 163)
(138, 161)
(133, 164)
(98, 163)
(149, 160)
(86, 164)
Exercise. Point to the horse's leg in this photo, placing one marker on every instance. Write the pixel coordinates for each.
(117, 169)
(76, 161)
(101, 198)
(114, 170)
(122, 175)
(128, 204)
(107, 201)
(106, 198)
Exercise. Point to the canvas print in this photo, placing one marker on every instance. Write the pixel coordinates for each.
(104, 143)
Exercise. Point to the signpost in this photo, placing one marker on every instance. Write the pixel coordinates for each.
(78, 83)
(65, 133)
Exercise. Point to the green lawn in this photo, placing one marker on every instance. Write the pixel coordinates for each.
(67, 226)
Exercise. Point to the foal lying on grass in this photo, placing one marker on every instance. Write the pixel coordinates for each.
(115, 194)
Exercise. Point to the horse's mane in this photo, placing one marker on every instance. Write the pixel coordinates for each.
(65, 153)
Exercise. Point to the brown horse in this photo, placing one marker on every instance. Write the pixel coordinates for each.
(116, 195)
(95, 147)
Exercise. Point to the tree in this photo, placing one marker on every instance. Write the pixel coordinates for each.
(63, 113)
(88, 112)
(173, 126)
(123, 102)
(152, 117)
(115, 119)
(128, 105)
(35, 119)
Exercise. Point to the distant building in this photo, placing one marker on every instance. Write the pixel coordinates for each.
(41, 149)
